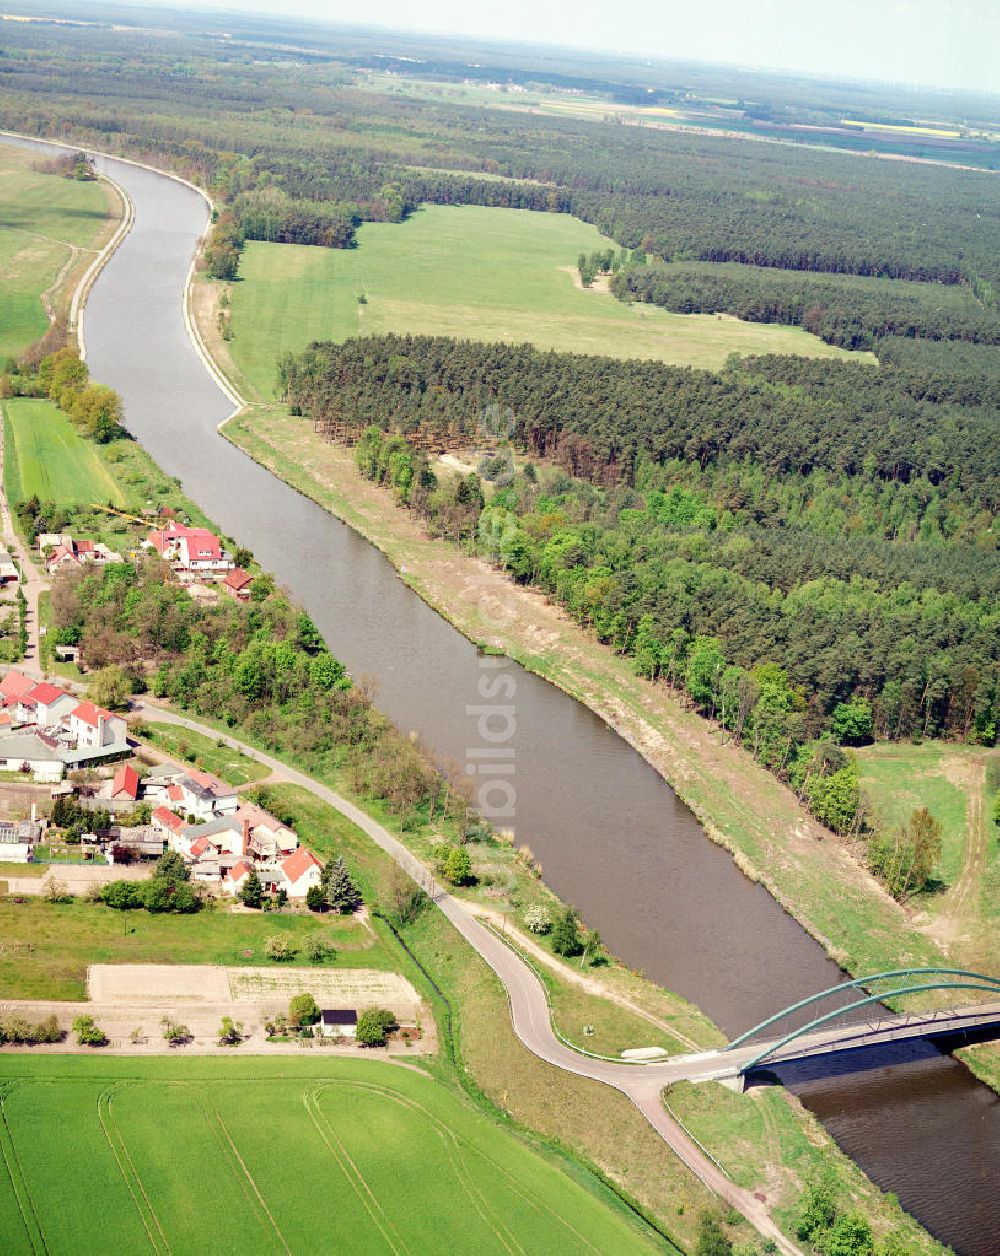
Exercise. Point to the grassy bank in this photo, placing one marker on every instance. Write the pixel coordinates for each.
(51, 228)
(204, 753)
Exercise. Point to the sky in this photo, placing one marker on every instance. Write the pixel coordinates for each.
(938, 43)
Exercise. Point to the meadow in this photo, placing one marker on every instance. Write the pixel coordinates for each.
(231, 765)
(50, 229)
(47, 947)
(471, 272)
(344, 1155)
(47, 457)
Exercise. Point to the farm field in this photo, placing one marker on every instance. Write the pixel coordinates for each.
(50, 229)
(955, 784)
(326, 1155)
(47, 947)
(47, 457)
(470, 272)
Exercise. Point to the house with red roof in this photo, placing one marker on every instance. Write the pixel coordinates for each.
(46, 705)
(168, 822)
(301, 871)
(125, 786)
(235, 877)
(62, 550)
(196, 551)
(15, 686)
(94, 726)
(237, 584)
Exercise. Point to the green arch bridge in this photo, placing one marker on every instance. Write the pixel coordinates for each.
(895, 983)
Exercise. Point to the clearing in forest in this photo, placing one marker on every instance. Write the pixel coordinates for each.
(248, 1155)
(473, 273)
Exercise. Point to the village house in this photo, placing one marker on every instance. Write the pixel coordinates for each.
(301, 871)
(9, 573)
(193, 793)
(167, 822)
(190, 551)
(46, 705)
(62, 550)
(95, 727)
(237, 584)
(125, 786)
(18, 839)
(31, 751)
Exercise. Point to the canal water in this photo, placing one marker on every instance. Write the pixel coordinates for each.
(612, 837)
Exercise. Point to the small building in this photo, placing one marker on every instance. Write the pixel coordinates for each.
(125, 786)
(46, 705)
(144, 841)
(17, 840)
(338, 1022)
(9, 573)
(237, 584)
(15, 686)
(168, 822)
(32, 752)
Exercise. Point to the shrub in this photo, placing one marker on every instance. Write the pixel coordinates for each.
(302, 1010)
(174, 1032)
(457, 866)
(566, 938)
(538, 919)
(230, 1032)
(89, 1034)
(373, 1026)
(315, 898)
(278, 948)
(55, 891)
(124, 895)
(319, 951)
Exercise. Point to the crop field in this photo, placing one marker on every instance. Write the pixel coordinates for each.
(47, 223)
(253, 1156)
(469, 272)
(46, 948)
(45, 455)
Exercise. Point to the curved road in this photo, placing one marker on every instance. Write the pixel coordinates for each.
(529, 1007)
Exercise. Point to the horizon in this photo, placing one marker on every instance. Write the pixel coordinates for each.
(944, 48)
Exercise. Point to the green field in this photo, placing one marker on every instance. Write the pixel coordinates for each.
(253, 1156)
(46, 456)
(204, 753)
(47, 947)
(468, 272)
(45, 222)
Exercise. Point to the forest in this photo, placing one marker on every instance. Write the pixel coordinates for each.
(815, 540)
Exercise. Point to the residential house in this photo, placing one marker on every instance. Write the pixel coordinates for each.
(168, 822)
(237, 584)
(338, 1022)
(31, 751)
(125, 786)
(198, 794)
(15, 686)
(45, 705)
(62, 550)
(301, 871)
(9, 573)
(236, 876)
(192, 551)
(94, 727)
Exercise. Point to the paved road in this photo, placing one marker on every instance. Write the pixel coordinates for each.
(528, 1004)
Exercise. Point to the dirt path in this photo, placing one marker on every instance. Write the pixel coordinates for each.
(961, 915)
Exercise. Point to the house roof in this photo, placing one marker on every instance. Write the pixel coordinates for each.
(175, 793)
(88, 713)
(200, 542)
(338, 1016)
(238, 579)
(31, 747)
(46, 693)
(200, 846)
(298, 863)
(239, 870)
(207, 783)
(84, 547)
(126, 781)
(167, 817)
(15, 685)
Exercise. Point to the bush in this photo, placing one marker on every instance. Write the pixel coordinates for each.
(373, 1026)
(302, 1010)
(318, 951)
(174, 1032)
(230, 1032)
(89, 1034)
(55, 891)
(538, 919)
(457, 866)
(315, 898)
(124, 895)
(278, 948)
(566, 938)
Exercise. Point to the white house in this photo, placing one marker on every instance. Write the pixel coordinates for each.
(46, 705)
(195, 550)
(8, 570)
(31, 751)
(198, 794)
(93, 726)
(301, 871)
